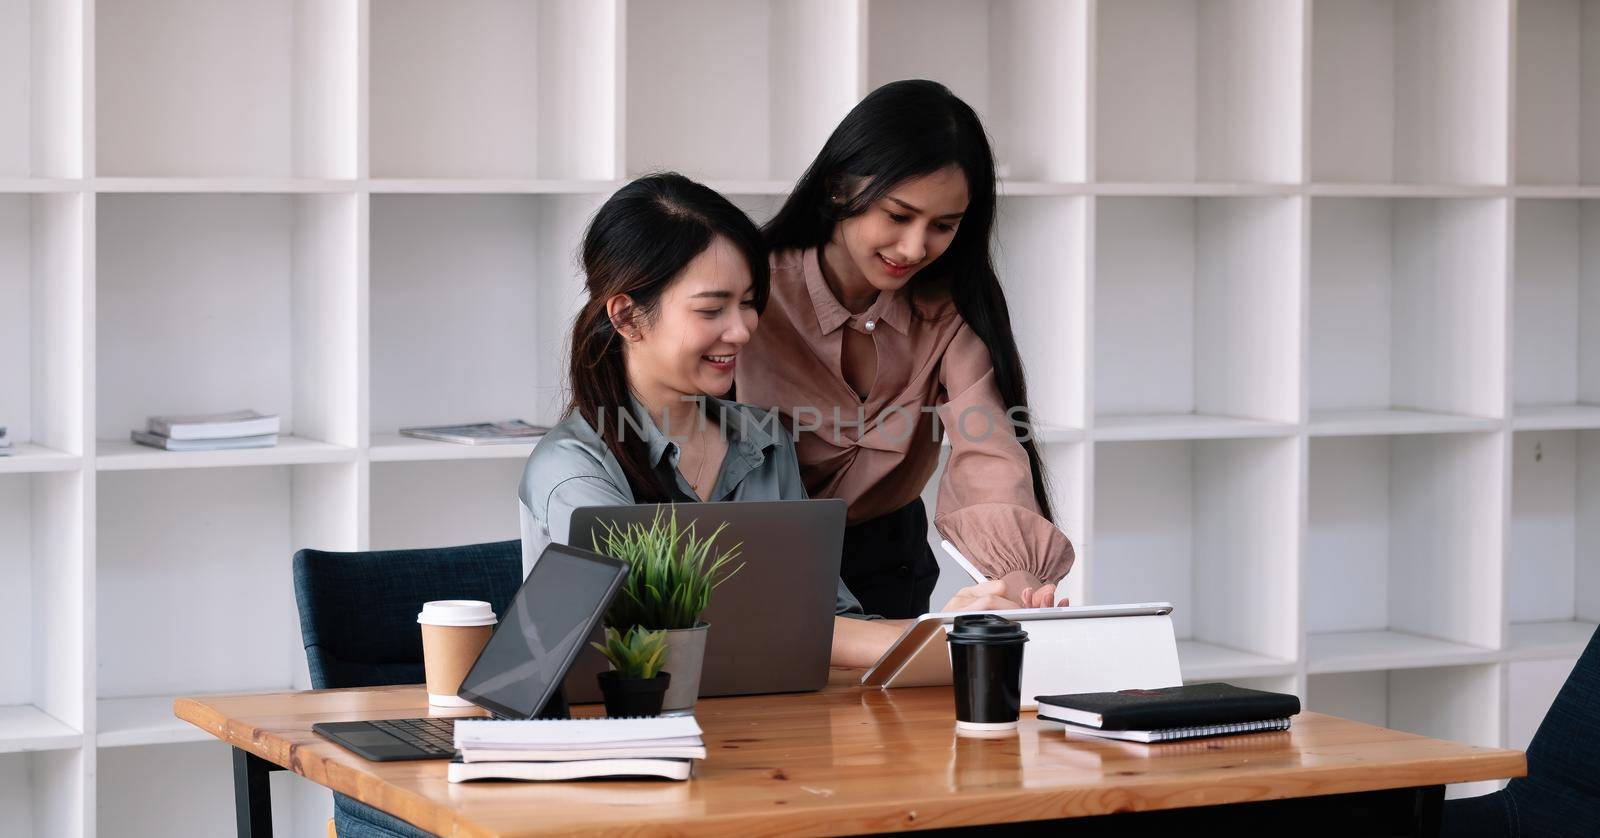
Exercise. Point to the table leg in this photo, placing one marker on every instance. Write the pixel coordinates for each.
(252, 794)
(1430, 810)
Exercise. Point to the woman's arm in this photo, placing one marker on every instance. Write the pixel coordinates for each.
(986, 503)
(859, 643)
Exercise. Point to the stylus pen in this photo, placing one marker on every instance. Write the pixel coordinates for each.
(971, 569)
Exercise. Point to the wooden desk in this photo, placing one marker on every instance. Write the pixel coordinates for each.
(848, 760)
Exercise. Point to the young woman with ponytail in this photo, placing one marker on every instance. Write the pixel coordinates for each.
(886, 330)
(676, 278)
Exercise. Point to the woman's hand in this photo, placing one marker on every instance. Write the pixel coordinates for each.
(989, 596)
(1041, 597)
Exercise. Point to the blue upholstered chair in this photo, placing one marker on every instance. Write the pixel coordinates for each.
(358, 621)
(1561, 794)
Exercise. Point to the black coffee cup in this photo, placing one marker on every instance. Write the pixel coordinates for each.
(986, 665)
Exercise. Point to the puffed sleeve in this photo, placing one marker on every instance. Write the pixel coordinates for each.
(986, 505)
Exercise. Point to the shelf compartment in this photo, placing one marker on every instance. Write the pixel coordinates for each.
(493, 345)
(1558, 98)
(1409, 92)
(41, 89)
(1556, 304)
(1402, 550)
(772, 79)
(1380, 339)
(1044, 273)
(196, 563)
(42, 793)
(184, 791)
(1159, 426)
(24, 727)
(1196, 305)
(42, 666)
(125, 455)
(1199, 91)
(210, 303)
(443, 504)
(254, 88)
(1551, 639)
(1210, 662)
(394, 448)
(485, 89)
(1553, 579)
(41, 328)
(1458, 703)
(125, 722)
(1531, 689)
(1021, 64)
(1386, 422)
(1209, 526)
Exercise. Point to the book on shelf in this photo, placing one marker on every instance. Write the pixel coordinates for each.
(230, 425)
(1158, 715)
(507, 432)
(5, 442)
(666, 769)
(167, 444)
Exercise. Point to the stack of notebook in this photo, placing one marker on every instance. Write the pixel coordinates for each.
(570, 749)
(210, 432)
(1162, 715)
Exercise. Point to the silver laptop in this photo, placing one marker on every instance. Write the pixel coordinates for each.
(772, 623)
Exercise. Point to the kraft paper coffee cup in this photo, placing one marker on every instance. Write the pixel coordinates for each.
(986, 669)
(453, 633)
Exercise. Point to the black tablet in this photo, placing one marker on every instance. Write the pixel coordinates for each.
(551, 617)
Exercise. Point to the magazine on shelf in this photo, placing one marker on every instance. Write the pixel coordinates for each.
(508, 432)
(158, 441)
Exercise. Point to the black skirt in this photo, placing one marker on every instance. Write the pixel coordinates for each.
(888, 564)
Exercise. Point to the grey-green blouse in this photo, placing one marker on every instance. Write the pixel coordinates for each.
(571, 467)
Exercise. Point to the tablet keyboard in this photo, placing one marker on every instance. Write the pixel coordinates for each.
(436, 737)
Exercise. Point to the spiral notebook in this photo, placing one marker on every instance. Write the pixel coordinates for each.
(560, 734)
(1174, 733)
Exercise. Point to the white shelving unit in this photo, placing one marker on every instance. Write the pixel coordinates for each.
(1308, 293)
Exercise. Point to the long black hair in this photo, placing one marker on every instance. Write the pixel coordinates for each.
(638, 242)
(903, 130)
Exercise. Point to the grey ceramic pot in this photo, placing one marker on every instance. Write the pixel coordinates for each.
(686, 651)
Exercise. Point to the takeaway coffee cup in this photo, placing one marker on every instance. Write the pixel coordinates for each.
(986, 670)
(453, 633)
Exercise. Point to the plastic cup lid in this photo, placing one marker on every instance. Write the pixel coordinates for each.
(456, 612)
(985, 628)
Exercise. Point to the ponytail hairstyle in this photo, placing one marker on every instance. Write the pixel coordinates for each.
(639, 241)
(903, 130)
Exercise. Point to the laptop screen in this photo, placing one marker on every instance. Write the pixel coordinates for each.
(543, 630)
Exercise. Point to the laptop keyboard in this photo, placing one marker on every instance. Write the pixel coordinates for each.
(435, 737)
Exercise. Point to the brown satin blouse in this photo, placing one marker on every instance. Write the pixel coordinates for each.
(878, 453)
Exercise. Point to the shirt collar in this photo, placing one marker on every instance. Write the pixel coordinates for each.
(744, 431)
(890, 307)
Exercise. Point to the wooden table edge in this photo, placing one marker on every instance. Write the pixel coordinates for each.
(934, 811)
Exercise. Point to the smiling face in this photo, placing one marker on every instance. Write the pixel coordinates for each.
(904, 231)
(690, 344)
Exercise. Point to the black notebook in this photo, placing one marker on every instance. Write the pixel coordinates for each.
(1194, 705)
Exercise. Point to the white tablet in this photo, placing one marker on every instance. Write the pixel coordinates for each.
(1090, 648)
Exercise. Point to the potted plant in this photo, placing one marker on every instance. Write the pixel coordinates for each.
(635, 685)
(672, 573)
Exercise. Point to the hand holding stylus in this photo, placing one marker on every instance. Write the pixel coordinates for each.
(1040, 597)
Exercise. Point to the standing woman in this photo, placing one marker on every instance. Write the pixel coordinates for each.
(887, 328)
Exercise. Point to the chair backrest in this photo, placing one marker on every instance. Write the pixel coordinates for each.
(358, 611)
(1565, 747)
